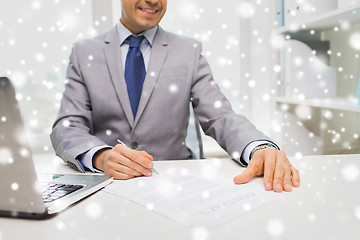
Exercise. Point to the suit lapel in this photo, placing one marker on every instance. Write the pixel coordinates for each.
(113, 60)
(159, 53)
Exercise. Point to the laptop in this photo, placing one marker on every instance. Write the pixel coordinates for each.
(23, 193)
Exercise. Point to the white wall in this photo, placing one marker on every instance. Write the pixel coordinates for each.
(258, 78)
(35, 43)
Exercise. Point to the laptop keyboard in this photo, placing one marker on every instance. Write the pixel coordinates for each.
(53, 191)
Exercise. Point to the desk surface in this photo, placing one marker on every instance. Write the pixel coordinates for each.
(326, 206)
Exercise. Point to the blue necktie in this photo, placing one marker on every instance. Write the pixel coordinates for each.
(134, 72)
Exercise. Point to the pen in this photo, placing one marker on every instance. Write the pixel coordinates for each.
(152, 169)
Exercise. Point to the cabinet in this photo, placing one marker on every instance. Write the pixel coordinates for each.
(313, 119)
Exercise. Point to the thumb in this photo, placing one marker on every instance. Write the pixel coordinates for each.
(244, 177)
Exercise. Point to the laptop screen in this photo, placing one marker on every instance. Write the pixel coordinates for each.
(18, 181)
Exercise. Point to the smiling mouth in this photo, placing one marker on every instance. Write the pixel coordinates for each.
(149, 10)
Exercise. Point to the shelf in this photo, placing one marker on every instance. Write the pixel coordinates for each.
(325, 21)
(333, 120)
(338, 103)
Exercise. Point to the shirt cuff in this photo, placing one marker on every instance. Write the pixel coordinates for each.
(87, 157)
(245, 156)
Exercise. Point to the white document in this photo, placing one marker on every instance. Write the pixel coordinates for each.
(191, 200)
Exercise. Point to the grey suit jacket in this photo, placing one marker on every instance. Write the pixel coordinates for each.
(95, 108)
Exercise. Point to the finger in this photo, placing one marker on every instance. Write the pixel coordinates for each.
(287, 181)
(135, 166)
(134, 156)
(120, 176)
(269, 169)
(119, 168)
(145, 154)
(114, 168)
(295, 177)
(120, 159)
(279, 172)
(246, 176)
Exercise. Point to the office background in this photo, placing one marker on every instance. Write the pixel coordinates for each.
(238, 39)
(37, 39)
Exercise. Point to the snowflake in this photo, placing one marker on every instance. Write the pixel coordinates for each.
(354, 40)
(184, 172)
(188, 10)
(311, 218)
(166, 188)
(350, 172)
(141, 184)
(19, 79)
(245, 9)
(93, 210)
(39, 57)
(303, 112)
(60, 225)
(150, 206)
(277, 68)
(252, 83)
(5, 156)
(275, 227)
(236, 155)
(36, 5)
(357, 212)
(173, 88)
(217, 104)
(200, 233)
(266, 97)
(24, 152)
(298, 155)
(205, 194)
(247, 207)
(11, 41)
(14, 186)
(66, 123)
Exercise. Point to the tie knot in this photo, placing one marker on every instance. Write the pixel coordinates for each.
(135, 41)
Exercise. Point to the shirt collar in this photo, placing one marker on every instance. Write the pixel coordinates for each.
(124, 33)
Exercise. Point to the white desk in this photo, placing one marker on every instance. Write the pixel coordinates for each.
(326, 206)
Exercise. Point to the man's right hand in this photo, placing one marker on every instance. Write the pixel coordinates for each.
(122, 162)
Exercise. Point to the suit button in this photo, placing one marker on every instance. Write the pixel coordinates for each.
(134, 145)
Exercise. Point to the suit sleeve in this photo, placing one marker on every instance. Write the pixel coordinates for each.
(73, 128)
(232, 131)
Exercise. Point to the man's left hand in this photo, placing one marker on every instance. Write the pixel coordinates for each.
(278, 172)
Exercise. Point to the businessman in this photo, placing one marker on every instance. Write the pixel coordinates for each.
(135, 83)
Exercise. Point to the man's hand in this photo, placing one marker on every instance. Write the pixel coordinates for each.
(122, 162)
(278, 173)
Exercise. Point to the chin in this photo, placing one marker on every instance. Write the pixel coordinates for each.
(147, 25)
